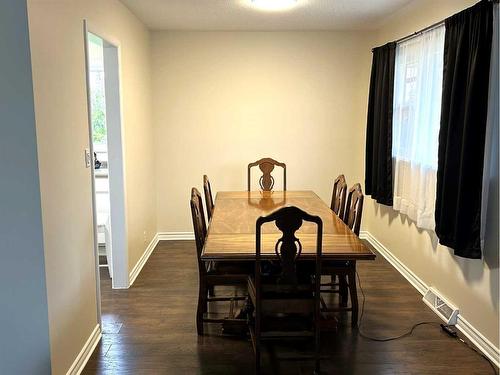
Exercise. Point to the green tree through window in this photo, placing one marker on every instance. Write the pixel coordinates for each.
(98, 116)
(97, 93)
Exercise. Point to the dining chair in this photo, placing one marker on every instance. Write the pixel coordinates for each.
(286, 302)
(346, 270)
(209, 201)
(354, 208)
(337, 205)
(338, 196)
(266, 165)
(213, 274)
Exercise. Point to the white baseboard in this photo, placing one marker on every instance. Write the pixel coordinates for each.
(395, 262)
(175, 236)
(87, 350)
(485, 345)
(468, 330)
(142, 260)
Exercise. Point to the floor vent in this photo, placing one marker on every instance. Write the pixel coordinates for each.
(441, 306)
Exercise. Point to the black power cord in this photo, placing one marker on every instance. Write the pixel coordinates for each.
(383, 339)
(449, 329)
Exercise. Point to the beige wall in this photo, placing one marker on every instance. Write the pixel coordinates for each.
(224, 99)
(57, 48)
(472, 285)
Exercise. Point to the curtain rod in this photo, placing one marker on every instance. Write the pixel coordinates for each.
(416, 33)
(433, 26)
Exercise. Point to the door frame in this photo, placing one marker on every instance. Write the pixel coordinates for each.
(116, 163)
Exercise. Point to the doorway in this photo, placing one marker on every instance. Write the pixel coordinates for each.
(106, 151)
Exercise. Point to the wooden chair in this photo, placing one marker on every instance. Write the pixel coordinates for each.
(354, 208)
(338, 196)
(213, 273)
(337, 205)
(346, 270)
(266, 165)
(289, 293)
(209, 201)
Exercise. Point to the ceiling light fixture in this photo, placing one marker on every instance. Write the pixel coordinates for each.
(274, 5)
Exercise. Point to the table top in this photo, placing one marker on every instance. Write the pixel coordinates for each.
(231, 232)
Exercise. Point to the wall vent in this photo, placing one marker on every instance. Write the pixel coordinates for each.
(441, 306)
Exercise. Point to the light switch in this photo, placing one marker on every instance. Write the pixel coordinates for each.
(88, 159)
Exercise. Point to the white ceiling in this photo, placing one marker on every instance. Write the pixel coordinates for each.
(239, 15)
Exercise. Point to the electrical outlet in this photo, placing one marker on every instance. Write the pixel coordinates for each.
(88, 159)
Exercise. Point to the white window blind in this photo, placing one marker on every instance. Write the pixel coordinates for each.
(416, 117)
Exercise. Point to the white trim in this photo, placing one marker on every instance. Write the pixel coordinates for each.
(485, 345)
(468, 330)
(117, 244)
(175, 236)
(87, 350)
(395, 262)
(142, 260)
(92, 173)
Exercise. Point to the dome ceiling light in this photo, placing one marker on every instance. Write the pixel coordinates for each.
(273, 5)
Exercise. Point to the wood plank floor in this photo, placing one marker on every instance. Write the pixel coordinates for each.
(150, 329)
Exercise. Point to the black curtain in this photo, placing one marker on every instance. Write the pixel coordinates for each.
(467, 54)
(378, 163)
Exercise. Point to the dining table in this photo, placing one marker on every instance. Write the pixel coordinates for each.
(231, 231)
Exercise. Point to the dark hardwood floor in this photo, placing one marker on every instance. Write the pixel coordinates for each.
(150, 329)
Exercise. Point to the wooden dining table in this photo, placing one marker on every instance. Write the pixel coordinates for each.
(231, 232)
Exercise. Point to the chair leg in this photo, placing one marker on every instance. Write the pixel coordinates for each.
(351, 279)
(333, 277)
(202, 307)
(343, 290)
(257, 359)
(257, 344)
(317, 340)
(211, 291)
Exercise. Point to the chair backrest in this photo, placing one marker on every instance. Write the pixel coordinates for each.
(209, 201)
(288, 248)
(199, 225)
(354, 208)
(266, 165)
(339, 195)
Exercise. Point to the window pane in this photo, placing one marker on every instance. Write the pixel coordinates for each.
(417, 111)
(417, 98)
(97, 97)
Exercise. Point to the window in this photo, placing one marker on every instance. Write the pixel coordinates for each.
(416, 117)
(97, 90)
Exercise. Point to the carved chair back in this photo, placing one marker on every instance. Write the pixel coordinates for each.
(288, 248)
(354, 208)
(199, 226)
(266, 165)
(209, 201)
(339, 195)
